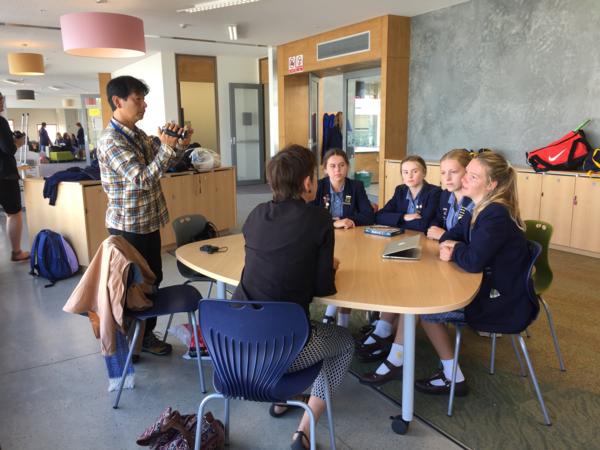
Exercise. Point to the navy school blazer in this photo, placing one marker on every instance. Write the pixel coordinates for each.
(442, 211)
(358, 209)
(393, 212)
(496, 246)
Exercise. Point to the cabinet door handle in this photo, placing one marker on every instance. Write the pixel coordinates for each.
(575, 200)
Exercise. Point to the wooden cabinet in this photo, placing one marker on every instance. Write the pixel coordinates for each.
(433, 174)
(393, 177)
(529, 186)
(80, 210)
(586, 215)
(557, 206)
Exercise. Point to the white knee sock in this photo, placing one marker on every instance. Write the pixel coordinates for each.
(396, 357)
(343, 319)
(382, 329)
(447, 364)
(330, 311)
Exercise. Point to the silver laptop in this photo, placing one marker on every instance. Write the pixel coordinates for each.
(407, 248)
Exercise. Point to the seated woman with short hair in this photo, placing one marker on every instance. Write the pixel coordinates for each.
(289, 257)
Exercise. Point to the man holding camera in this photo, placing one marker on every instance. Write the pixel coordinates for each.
(131, 165)
(10, 192)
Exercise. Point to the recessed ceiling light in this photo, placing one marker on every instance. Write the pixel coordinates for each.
(232, 29)
(215, 4)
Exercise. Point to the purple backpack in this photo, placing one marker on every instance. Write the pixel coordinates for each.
(52, 257)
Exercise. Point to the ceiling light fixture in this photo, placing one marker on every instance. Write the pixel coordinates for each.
(25, 64)
(215, 4)
(232, 32)
(25, 94)
(68, 103)
(102, 35)
(54, 88)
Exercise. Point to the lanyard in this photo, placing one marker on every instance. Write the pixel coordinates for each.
(129, 139)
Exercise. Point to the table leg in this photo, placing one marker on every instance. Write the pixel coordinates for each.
(221, 294)
(408, 376)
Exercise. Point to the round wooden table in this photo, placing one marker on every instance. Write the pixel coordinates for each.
(364, 281)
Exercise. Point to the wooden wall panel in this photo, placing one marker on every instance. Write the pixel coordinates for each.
(263, 70)
(103, 79)
(295, 109)
(196, 68)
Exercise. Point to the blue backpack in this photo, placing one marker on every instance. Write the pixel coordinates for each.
(52, 257)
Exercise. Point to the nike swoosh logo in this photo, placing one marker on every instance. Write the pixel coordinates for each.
(555, 157)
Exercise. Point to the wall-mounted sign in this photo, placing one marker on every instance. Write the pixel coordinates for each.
(296, 64)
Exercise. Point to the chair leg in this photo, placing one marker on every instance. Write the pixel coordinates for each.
(518, 355)
(493, 356)
(553, 332)
(311, 416)
(210, 286)
(136, 335)
(534, 381)
(226, 421)
(454, 369)
(201, 414)
(329, 415)
(167, 329)
(192, 320)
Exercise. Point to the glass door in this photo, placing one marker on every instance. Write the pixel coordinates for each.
(362, 91)
(247, 132)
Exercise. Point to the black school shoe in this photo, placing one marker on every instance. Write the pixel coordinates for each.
(426, 387)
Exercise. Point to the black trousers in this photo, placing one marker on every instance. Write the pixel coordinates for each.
(149, 246)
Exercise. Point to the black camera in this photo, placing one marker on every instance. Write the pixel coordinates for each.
(182, 133)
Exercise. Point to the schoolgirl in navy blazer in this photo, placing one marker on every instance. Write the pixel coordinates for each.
(496, 246)
(427, 202)
(355, 206)
(465, 208)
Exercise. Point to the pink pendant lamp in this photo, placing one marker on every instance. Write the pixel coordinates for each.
(102, 35)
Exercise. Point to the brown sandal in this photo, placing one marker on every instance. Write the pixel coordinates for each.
(301, 398)
(298, 441)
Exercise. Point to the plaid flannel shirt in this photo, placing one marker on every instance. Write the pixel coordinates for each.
(130, 170)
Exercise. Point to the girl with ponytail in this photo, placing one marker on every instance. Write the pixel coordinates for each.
(492, 242)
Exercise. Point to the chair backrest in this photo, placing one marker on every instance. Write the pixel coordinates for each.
(541, 232)
(252, 344)
(188, 228)
(535, 249)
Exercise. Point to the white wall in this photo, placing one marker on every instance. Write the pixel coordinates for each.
(231, 69)
(150, 70)
(41, 103)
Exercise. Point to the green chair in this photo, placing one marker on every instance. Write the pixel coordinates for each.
(541, 232)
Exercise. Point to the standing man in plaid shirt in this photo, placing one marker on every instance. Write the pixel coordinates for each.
(131, 165)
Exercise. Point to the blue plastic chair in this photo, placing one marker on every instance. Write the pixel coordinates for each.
(168, 300)
(535, 250)
(252, 345)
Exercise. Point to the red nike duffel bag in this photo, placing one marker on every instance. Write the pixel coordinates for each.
(567, 153)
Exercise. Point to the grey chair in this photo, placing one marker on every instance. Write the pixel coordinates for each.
(188, 229)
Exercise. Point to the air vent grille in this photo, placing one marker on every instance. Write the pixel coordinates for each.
(347, 45)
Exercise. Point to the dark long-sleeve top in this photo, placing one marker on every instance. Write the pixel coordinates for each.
(289, 253)
(8, 163)
(496, 246)
(356, 205)
(457, 212)
(392, 214)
